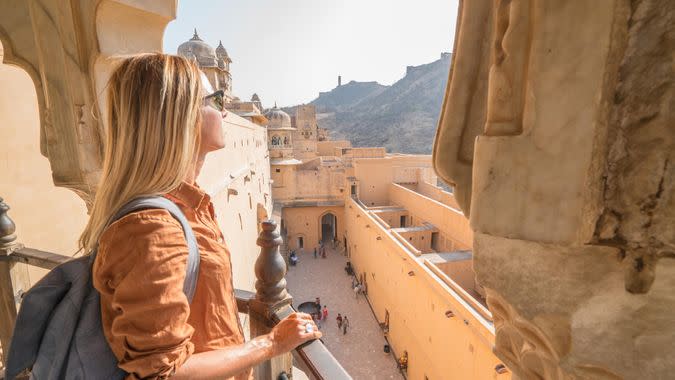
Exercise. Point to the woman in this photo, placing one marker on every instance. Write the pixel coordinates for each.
(162, 122)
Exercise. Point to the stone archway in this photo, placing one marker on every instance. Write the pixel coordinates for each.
(27, 183)
(328, 227)
(69, 61)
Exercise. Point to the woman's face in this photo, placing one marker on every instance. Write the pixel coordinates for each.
(212, 131)
(213, 118)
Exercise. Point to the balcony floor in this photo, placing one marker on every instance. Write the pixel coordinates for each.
(360, 351)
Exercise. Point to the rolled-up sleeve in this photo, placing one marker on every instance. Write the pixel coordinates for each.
(139, 272)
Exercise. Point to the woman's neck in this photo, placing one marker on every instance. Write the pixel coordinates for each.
(192, 175)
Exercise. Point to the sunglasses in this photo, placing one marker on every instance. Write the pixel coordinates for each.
(216, 100)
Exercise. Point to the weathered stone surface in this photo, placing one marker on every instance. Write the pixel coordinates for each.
(464, 109)
(572, 299)
(571, 183)
(639, 190)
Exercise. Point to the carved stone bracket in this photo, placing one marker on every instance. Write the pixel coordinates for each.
(522, 345)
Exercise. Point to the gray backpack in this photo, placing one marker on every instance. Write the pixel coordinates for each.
(58, 332)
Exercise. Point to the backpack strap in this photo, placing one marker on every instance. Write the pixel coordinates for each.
(159, 202)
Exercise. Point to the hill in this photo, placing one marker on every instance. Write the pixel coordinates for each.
(401, 117)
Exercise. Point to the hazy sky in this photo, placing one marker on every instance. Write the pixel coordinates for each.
(287, 51)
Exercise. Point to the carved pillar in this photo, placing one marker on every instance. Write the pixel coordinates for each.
(510, 53)
(7, 298)
(271, 297)
(557, 130)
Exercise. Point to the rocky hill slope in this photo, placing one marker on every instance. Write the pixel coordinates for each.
(401, 117)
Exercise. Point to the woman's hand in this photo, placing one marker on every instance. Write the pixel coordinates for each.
(293, 331)
(232, 360)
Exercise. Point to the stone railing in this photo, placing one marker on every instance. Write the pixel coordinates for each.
(266, 307)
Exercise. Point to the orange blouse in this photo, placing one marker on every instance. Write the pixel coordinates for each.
(139, 272)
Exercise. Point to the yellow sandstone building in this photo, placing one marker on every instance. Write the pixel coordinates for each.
(406, 238)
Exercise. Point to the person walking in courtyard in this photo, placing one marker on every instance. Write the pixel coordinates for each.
(324, 314)
(345, 325)
(315, 252)
(317, 304)
(317, 320)
(339, 321)
(357, 289)
(293, 258)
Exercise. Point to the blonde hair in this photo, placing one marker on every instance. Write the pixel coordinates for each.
(152, 134)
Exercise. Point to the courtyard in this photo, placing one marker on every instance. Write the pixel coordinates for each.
(360, 351)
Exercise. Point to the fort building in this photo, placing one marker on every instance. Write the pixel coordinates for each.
(385, 213)
(550, 259)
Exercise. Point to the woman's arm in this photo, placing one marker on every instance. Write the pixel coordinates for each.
(227, 362)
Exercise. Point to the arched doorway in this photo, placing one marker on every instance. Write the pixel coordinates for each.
(328, 227)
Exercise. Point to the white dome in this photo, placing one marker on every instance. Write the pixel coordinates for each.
(278, 118)
(197, 49)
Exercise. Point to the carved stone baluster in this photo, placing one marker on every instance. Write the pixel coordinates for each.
(7, 302)
(271, 296)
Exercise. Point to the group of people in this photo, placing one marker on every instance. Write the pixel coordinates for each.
(293, 258)
(322, 315)
(357, 287)
(320, 252)
(342, 323)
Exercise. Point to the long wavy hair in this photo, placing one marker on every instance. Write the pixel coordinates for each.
(152, 134)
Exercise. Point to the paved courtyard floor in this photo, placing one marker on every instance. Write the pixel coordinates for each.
(360, 351)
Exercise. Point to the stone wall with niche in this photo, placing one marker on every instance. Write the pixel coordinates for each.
(557, 133)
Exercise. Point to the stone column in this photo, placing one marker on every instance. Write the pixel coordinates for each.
(7, 299)
(557, 130)
(272, 300)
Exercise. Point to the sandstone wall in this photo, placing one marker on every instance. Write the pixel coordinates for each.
(305, 222)
(455, 232)
(440, 345)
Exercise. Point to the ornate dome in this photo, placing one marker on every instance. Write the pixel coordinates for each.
(221, 53)
(278, 118)
(196, 48)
